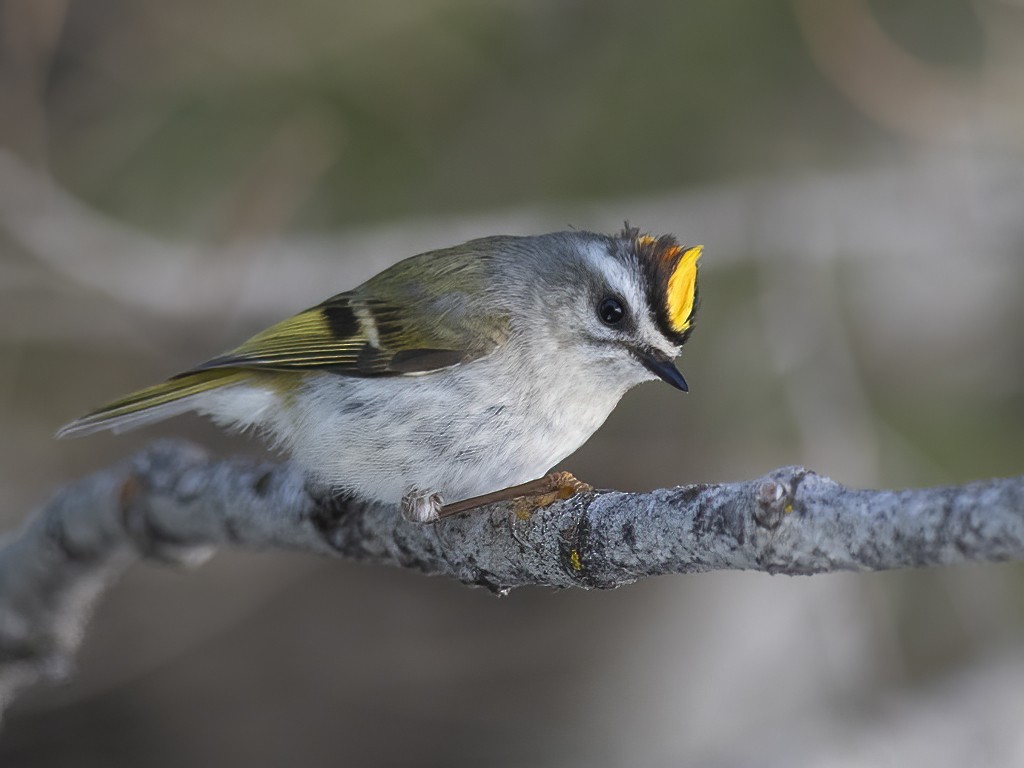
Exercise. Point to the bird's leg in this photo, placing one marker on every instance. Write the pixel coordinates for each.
(429, 507)
(530, 496)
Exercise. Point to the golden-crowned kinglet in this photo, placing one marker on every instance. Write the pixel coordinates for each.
(452, 374)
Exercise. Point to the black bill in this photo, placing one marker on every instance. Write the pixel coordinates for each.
(663, 367)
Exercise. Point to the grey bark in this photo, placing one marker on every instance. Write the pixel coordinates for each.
(174, 503)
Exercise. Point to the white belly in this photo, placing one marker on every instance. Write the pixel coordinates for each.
(470, 429)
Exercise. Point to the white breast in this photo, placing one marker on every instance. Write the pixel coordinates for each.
(467, 430)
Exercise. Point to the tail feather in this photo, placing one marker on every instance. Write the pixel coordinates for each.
(154, 403)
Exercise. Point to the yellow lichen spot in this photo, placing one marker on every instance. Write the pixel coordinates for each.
(682, 289)
(574, 558)
(788, 509)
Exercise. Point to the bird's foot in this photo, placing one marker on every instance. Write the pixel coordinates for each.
(529, 497)
(422, 506)
(557, 486)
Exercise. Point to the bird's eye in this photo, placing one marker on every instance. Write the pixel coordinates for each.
(611, 311)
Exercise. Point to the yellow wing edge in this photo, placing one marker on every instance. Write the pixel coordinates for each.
(152, 403)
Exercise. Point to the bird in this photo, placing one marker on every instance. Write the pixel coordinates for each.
(455, 377)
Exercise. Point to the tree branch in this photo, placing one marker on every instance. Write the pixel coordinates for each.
(174, 503)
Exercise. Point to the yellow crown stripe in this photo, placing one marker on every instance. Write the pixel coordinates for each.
(682, 289)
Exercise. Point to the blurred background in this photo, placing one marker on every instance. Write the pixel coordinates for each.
(175, 176)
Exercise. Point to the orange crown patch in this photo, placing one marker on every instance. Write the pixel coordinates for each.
(674, 269)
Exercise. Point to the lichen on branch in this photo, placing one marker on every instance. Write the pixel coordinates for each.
(173, 502)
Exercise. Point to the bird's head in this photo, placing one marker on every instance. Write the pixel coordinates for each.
(624, 305)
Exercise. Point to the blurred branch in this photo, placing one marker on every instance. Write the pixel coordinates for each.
(883, 80)
(175, 504)
(29, 35)
(940, 202)
(914, 97)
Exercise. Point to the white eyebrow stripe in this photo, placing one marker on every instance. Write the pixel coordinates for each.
(619, 277)
(622, 279)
